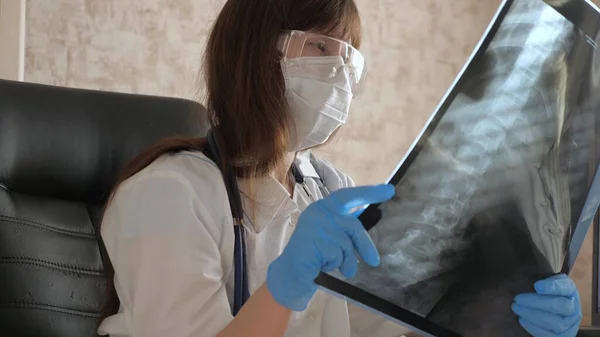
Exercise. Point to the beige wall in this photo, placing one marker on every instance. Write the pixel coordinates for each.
(12, 39)
(142, 46)
(414, 48)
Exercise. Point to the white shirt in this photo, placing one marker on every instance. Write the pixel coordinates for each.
(169, 234)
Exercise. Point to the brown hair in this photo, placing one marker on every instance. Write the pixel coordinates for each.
(245, 96)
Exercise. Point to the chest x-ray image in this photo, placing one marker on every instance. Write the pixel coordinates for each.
(489, 199)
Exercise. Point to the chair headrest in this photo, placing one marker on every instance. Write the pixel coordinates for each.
(72, 143)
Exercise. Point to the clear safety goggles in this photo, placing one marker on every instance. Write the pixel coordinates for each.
(302, 49)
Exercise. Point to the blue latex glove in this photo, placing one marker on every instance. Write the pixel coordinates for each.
(326, 238)
(553, 311)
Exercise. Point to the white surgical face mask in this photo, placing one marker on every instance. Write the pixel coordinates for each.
(319, 94)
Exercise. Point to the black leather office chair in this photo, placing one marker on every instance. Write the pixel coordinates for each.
(60, 151)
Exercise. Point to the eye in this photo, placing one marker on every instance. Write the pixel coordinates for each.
(321, 46)
(318, 47)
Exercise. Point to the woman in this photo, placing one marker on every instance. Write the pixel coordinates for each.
(280, 77)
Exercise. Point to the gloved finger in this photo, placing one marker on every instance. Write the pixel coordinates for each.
(345, 200)
(361, 240)
(333, 234)
(559, 285)
(350, 264)
(559, 305)
(552, 322)
(536, 330)
(571, 332)
(333, 257)
(357, 211)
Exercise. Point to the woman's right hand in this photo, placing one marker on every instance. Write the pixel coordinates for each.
(326, 238)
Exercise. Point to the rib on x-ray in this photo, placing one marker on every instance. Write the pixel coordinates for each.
(489, 203)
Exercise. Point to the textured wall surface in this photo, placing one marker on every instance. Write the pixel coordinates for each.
(414, 48)
(149, 46)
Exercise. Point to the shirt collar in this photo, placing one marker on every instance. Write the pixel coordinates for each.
(266, 199)
(305, 166)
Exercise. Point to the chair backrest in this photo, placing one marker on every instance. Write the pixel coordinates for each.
(60, 151)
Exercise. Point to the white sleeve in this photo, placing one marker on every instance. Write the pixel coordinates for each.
(164, 244)
(366, 324)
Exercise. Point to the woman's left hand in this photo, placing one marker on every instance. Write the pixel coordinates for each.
(553, 311)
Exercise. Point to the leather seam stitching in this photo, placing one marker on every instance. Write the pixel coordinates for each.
(48, 264)
(26, 222)
(48, 307)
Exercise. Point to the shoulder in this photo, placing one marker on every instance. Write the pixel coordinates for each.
(175, 192)
(332, 177)
(189, 173)
(187, 168)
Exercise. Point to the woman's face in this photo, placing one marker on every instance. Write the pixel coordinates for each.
(299, 47)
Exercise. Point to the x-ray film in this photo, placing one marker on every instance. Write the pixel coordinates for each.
(499, 190)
